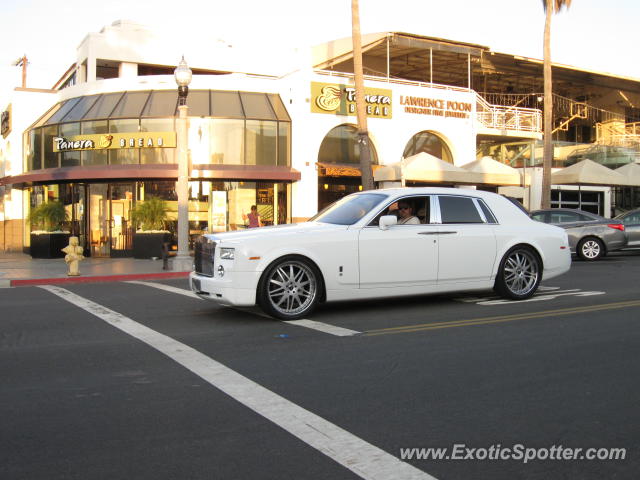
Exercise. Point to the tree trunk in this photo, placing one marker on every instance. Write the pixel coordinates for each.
(363, 134)
(548, 110)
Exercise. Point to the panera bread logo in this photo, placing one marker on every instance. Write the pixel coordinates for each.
(341, 100)
(115, 141)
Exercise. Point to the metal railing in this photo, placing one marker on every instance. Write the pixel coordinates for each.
(508, 117)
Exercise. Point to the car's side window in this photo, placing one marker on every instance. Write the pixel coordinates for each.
(458, 210)
(632, 219)
(566, 217)
(408, 210)
(540, 216)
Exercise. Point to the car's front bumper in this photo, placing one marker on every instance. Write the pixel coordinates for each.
(234, 289)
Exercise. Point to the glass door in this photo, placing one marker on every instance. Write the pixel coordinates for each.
(121, 203)
(99, 216)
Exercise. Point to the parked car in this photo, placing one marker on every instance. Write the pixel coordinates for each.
(631, 221)
(590, 236)
(356, 248)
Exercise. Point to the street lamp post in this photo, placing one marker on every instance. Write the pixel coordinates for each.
(183, 262)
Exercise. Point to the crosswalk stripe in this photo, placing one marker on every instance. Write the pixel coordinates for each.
(362, 458)
(323, 327)
(168, 288)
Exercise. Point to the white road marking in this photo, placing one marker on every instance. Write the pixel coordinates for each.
(168, 288)
(544, 293)
(350, 451)
(323, 327)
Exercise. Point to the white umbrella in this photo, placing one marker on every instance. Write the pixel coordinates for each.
(631, 172)
(493, 172)
(427, 168)
(588, 172)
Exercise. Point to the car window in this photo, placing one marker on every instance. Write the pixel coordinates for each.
(567, 217)
(419, 207)
(349, 210)
(633, 219)
(488, 213)
(539, 216)
(458, 210)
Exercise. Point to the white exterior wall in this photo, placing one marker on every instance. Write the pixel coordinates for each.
(26, 107)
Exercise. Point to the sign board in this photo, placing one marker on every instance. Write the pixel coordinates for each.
(340, 99)
(115, 141)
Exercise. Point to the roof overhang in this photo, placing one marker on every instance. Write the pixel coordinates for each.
(156, 171)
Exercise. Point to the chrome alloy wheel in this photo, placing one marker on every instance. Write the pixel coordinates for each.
(591, 249)
(521, 272)
(292, 288)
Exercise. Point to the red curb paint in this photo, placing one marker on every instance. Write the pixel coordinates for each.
(99, 278)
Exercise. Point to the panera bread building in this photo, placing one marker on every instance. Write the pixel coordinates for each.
(282, 137)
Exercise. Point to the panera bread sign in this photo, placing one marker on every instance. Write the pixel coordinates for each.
(115, 141)
(341, 100)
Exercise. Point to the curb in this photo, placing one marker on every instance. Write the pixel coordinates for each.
(96, 279)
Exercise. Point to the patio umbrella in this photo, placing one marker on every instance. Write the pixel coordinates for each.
(631, 172)
(588, 172)
(427, 168)
(493, 172)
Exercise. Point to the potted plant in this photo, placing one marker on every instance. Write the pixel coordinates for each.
(149, 216)
(48, 237)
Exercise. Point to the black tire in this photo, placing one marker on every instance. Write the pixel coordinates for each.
(519, 274)
(590, 249)
(290, 288)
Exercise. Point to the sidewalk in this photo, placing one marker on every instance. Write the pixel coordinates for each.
(19, 269)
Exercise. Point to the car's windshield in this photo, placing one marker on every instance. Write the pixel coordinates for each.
(349, 210)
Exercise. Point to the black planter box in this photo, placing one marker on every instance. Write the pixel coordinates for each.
(49, 245)
(149, 245)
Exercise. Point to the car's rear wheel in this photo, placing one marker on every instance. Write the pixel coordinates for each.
(590, 249)
(290, 288)
(519, 274)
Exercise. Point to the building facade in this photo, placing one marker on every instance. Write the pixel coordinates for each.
(103, 139)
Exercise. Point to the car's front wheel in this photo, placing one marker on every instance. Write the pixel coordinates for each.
(289, 288)
(519, 274)
(590, 249)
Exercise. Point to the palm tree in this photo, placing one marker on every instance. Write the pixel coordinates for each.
(550, 7)
(363, 134)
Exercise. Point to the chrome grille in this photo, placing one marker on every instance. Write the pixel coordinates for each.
(204, 251)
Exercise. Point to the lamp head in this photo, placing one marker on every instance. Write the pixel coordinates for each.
(182, 74)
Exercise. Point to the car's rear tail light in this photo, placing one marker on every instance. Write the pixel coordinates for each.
(617, 226)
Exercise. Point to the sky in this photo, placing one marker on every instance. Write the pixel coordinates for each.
(592, 34)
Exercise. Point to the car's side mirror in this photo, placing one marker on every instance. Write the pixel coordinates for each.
(387, 220)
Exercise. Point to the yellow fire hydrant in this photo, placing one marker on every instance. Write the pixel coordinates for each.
(73, 256)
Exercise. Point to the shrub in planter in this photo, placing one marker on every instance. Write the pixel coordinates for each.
(48, 237)
(149, 217)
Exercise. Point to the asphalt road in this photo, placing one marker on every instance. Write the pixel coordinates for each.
(205, 392)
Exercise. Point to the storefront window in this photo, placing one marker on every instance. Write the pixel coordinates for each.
(227, 141)
(51, 160)
(34, 157)
(261, 142)
(124, 155)
(94, 157)
(284, 144)
(429, 143)
(70, 159)
(157, 155)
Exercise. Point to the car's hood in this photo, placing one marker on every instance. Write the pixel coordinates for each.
(252, 234)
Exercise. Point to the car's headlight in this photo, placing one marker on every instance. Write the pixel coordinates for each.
(227, 253)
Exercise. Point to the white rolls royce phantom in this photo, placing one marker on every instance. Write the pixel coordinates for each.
(382, 243)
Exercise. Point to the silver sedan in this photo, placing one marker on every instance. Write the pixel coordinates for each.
(590, 236)
(631, 220)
